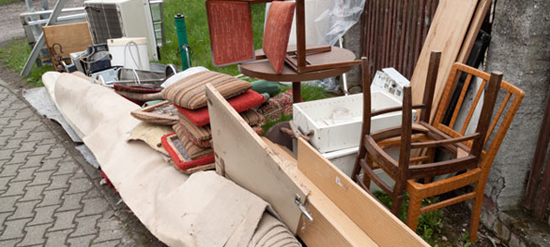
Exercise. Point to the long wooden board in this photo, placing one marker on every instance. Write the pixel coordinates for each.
(482, 10)
(72, 38)
(330, 226)
(249, 162)
(447, 33)
(365, 211)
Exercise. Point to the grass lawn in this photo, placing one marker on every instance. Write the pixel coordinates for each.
(2, 2)
(197, 32)
(14, 55)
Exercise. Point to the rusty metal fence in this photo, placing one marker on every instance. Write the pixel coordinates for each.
(393, 32)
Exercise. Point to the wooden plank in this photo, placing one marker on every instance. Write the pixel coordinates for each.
(330, 226)
(539, 157)
(482, 10)
(249, 162)
(72, 37)
(367, 213)
(446, 34)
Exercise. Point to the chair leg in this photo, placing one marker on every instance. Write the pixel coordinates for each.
(366, 178)
(430, 153)
(396, 205)
(366, 181)
(476, 212)
(357, 167)
(397, 195)
(413, 212)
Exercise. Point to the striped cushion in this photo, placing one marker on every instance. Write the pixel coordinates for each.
(193, 150)
(204, 133)
(189, 92)
(240, 103)
(184, 164)
(182, 132)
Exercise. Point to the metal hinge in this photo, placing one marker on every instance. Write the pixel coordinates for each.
(302, 208)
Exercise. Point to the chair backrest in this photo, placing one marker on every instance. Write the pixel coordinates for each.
(502, 118)
(474, 140)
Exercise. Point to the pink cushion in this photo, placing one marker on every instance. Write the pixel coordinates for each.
(277, 32)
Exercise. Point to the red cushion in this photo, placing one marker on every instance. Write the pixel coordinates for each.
(277, 32)
(240, 103)
(184, 164)
(230, 26)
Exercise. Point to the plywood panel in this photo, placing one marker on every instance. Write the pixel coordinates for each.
(249, 162)
(72, 38)
(330, 226)
(364, 210)
(447, 33)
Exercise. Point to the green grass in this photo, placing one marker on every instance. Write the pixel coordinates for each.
(429, 224)
(2, 2)
(197, 33)
(14, 55)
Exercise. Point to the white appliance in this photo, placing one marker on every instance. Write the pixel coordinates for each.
(330, 132)
(111, 19)
(130, 53)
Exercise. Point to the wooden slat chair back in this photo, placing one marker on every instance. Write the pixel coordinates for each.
(511, 100)
(421, 136)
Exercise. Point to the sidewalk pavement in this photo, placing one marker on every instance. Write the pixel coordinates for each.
(49, 196)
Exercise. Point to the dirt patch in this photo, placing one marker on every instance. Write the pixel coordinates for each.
(456, 226)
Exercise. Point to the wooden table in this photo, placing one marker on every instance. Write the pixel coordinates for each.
(262, 69)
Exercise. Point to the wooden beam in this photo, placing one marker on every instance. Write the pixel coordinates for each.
(367, 213)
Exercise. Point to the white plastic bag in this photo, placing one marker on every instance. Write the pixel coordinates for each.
(335, 21)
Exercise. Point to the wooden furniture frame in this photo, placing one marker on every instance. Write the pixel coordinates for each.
(410, 136)
(342, 214)
(314, 63)
(477, 176)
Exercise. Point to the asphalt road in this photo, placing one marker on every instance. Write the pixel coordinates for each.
(10, 23)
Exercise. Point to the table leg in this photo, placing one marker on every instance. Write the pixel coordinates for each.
(296, 92)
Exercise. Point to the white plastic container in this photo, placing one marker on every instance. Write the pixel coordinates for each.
(345, 160)
(331, 130)
(129, 55)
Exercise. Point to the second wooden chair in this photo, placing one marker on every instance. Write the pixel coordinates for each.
(417, 143)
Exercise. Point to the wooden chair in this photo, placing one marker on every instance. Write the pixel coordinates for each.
(302, 62)
(477, 176)
(426, 138)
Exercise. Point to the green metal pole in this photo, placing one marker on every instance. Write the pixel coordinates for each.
(183, 42)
